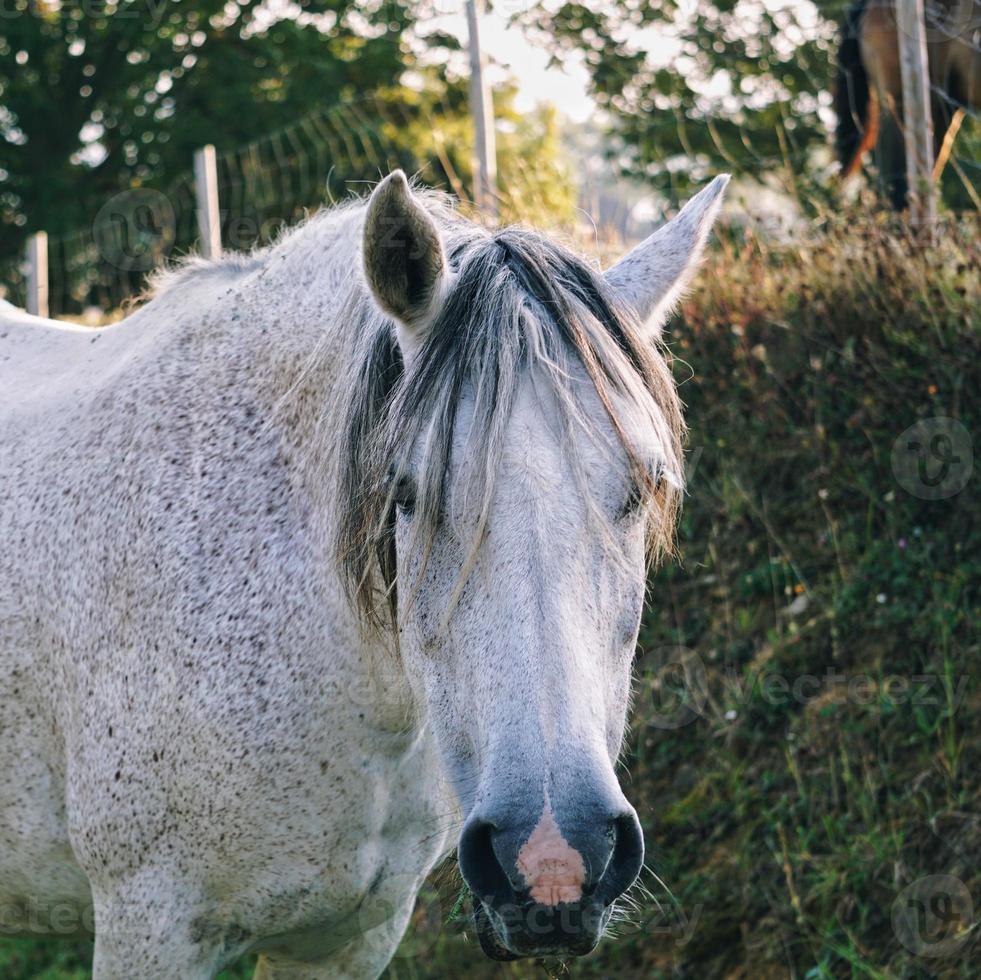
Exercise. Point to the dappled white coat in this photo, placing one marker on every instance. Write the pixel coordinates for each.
(201, 754)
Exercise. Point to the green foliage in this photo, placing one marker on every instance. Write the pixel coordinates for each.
(733, 85)
(535, 174)
(36, 959)
(302, 110)
(97, 97)
(738, 86)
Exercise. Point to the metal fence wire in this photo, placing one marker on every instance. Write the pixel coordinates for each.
(331, 154)
(263, 186)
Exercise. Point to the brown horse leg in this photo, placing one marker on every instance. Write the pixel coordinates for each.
(947, 144)
(880, 55)
(869, 137)
(891, 157)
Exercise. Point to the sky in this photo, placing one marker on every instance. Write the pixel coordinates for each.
(517, 55)
(507, 45)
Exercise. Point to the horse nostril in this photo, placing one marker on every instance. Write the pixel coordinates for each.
(626, 860)
(479, 863)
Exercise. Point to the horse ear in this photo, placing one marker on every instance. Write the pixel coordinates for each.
(404, 261)
(652, 276)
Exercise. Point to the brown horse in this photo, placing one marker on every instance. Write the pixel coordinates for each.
(869, 97)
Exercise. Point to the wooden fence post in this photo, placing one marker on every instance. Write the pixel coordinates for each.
(482, 110)
(918, 125)
(37, 274)
(206, 193)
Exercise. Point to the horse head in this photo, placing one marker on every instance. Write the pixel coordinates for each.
(515, 460)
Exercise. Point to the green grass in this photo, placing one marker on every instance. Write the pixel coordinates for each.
(786, 828)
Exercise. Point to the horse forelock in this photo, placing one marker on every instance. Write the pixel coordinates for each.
(519, 305)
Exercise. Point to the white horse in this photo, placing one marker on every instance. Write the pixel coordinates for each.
(326, 560)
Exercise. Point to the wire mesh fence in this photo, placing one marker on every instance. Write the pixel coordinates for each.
(775, 128)
(263, 186)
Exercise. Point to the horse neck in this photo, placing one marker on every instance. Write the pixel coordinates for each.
(292, 342)
(297, 295)
(303, 354)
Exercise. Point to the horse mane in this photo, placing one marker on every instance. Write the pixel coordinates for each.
(191, 268)
(188, 269)
(519, 304)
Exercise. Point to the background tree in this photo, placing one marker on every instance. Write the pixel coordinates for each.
(694, 87)
(732, 84)
(97, 95)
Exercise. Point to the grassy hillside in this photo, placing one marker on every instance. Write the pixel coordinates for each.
(807, 736)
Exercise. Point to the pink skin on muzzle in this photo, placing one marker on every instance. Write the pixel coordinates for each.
(553, 870)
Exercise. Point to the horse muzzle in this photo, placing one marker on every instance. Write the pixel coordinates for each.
(544, 887)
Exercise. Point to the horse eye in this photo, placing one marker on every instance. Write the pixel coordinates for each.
(631, 505)
(638, 493)
(405, 495)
